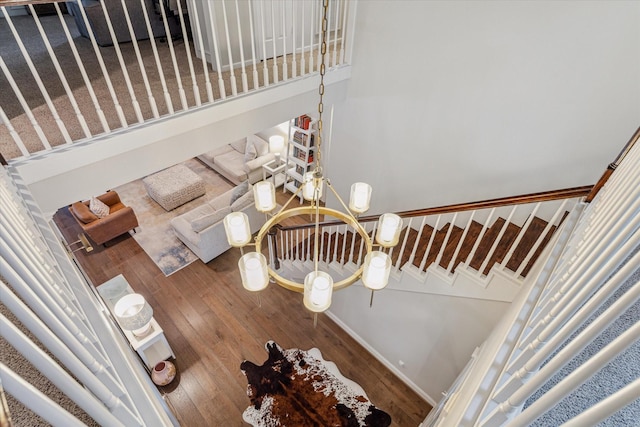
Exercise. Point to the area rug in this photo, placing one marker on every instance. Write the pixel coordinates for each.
(154, 234)
(299, 388)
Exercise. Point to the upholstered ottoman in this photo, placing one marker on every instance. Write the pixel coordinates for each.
(174, 186)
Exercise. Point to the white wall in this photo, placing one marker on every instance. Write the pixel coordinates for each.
(427, 338)
(461, 101)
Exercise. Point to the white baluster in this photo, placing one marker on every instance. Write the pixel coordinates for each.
(485, 227)
(265, 69)
(33, 399)
(577, 377)
(530, 362)
(303, 49)
(294, 60)
(404, 244)
(176, 69)
(38, 80)
(412, 256)
(83, 71)
(446, 240)
(547, 229)
(343, 31)
(61, 76)
(460, 242)
(336, 20)
(187, 48)
(607, 407)
(273, 40)
(590, 263)
(256, 80)
(105, 72)
(123, 65)
(344, 243)
(195, 19)
(582, 288)
(216, 49)
(285, 72)
(520, 235)
(154, 49)
(14, 135)
(496, 242)
(245, 83)
(96, 406)
(232, 77)
(423, 262)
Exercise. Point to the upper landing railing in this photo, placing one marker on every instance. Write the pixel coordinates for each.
(70, 72)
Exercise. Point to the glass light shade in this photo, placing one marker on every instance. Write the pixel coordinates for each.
(309, 183)
(377, 266)
(236, 225)
(133, 313)
(318, 287)
(253, 271)
(388, 230)
(264, 194)
(360, 197)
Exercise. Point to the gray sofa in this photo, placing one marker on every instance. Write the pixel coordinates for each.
(202, 228)
(241, 160)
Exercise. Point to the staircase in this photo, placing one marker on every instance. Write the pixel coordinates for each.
(480, 253)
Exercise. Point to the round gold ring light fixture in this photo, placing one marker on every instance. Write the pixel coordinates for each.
(318, 286)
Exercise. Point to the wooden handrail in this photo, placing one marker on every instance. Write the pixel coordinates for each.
(612, 166)
(544, 196)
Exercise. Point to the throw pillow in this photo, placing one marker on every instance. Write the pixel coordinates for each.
(261, 146)
(239, 191)
(98, 207)
(250, 152)
(239, 145)
(209, 219)
(244, 200)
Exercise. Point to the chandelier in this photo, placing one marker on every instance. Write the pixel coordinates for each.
(318, 286)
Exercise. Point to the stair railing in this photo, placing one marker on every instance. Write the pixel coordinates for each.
(115, 76)
(469, 238)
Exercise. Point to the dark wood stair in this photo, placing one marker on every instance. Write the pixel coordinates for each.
(531, 235)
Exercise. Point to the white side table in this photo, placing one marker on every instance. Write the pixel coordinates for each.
(153, 347)
(276, 171)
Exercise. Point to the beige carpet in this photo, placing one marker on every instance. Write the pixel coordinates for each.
(155, 235)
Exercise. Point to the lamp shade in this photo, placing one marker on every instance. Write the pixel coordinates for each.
(389, 227)
(309, 184)
(377, 266)
(253, 271)
(318, 287)
(264, 194)
(133, 313)
(360, 197)
(276, 144)
(236, 225)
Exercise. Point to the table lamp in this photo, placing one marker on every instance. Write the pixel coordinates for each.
(276, 145)
(134, 314)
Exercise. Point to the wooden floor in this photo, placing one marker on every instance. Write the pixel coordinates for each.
(213, 324)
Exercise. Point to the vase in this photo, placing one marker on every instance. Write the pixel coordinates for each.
(163, 373)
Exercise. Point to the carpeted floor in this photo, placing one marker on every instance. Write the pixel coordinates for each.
(155, 235)
(622, 370)
(19, 415)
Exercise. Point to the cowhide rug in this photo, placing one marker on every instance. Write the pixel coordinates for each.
(299, 388)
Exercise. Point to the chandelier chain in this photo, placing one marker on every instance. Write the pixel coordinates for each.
(323, 54)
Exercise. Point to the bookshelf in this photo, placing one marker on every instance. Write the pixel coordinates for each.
(301, 149)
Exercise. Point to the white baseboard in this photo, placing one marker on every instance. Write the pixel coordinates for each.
(381, 358)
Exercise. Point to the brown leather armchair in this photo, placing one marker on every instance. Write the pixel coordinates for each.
(120, 220)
